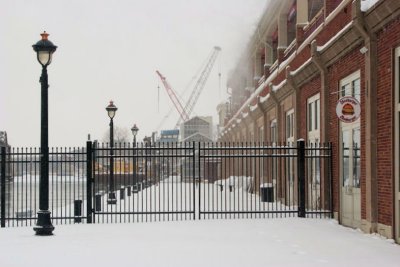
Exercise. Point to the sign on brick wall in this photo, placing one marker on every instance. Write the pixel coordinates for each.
(348, 109)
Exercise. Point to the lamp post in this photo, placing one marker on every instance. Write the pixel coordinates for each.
(111, 109)
(44, 50)
(134, 130)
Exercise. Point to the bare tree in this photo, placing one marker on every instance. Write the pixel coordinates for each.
(121, 135)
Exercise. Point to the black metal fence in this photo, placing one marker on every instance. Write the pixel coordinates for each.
(151, 182)
(259, 180)
(168, 181)
(20, 188)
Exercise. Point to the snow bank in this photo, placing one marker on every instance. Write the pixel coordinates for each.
(233, 243)
(238, 182)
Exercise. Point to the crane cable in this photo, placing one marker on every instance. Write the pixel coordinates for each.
(180, 95)
(158, 98)
(219, 75)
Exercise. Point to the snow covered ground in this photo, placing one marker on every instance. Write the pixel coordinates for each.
(176, 200)
(273, 242)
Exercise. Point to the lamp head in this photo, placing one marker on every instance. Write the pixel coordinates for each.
(134, 130)
(111, 109)
(44, 50)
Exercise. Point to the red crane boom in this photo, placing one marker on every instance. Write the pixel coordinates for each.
(174, 99)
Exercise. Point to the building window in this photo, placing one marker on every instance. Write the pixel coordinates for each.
(290, 126)
(351, 136)
(313, 137)
(261, 140)
(274, 138)
(261, 134)
(290, 163)
(313, 117)
(351, 86)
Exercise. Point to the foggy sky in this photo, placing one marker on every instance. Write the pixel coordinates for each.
(110, 50)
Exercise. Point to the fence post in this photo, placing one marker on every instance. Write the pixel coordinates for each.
(194, 180)
(89, 198)
(330, 171)
(301, 162)
(3, 187)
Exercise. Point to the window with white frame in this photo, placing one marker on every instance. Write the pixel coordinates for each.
(351, 136)
(289, 129)
(313, 137)
(261, 134)
(273, 162)
(274, 132)
(261, 140)
(350, 86)
(313, 118)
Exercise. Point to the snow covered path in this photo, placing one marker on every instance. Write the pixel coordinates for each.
(277, 242)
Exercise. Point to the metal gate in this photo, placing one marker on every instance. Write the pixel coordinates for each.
(258, 180)
(144, 183)
(187, 181)
(168, 181)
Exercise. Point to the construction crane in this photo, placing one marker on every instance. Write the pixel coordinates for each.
(199, 86)
(183, 115)
(185, 112)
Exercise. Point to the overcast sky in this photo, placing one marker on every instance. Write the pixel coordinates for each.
(110, 50)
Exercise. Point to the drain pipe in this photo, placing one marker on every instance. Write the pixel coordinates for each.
(297, 106)
(370, 52)
(324, 93)
(324, 115)
(254, 117)
(278, 117)
(265, 117)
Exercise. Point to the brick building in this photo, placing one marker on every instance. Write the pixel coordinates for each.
(302, 58)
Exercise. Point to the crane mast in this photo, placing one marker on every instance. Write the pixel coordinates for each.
(199, 86)
(183, 115)
(185, 112)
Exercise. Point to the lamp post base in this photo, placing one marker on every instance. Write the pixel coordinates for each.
(43, 225)
(111, 199)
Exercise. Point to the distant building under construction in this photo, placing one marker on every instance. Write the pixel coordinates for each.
(197, 129)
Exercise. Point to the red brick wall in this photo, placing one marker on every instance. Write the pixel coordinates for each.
(279, 78)
(330, 5)
(339, 21)
(388, 40)
(353, 61)
(300, 58)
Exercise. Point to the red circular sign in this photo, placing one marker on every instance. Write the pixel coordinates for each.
(348, 109)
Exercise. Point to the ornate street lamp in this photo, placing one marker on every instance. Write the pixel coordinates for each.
(44, 51)
(111, 109)
(134, 130)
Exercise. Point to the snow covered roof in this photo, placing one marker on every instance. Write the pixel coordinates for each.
(367, 4)
(197, 136)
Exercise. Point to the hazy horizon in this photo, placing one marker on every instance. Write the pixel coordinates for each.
(110, 51)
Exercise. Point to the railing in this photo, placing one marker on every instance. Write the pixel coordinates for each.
(168, 181)
(152, 182)
(20, 191)
(314, 23)
(259, 180)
